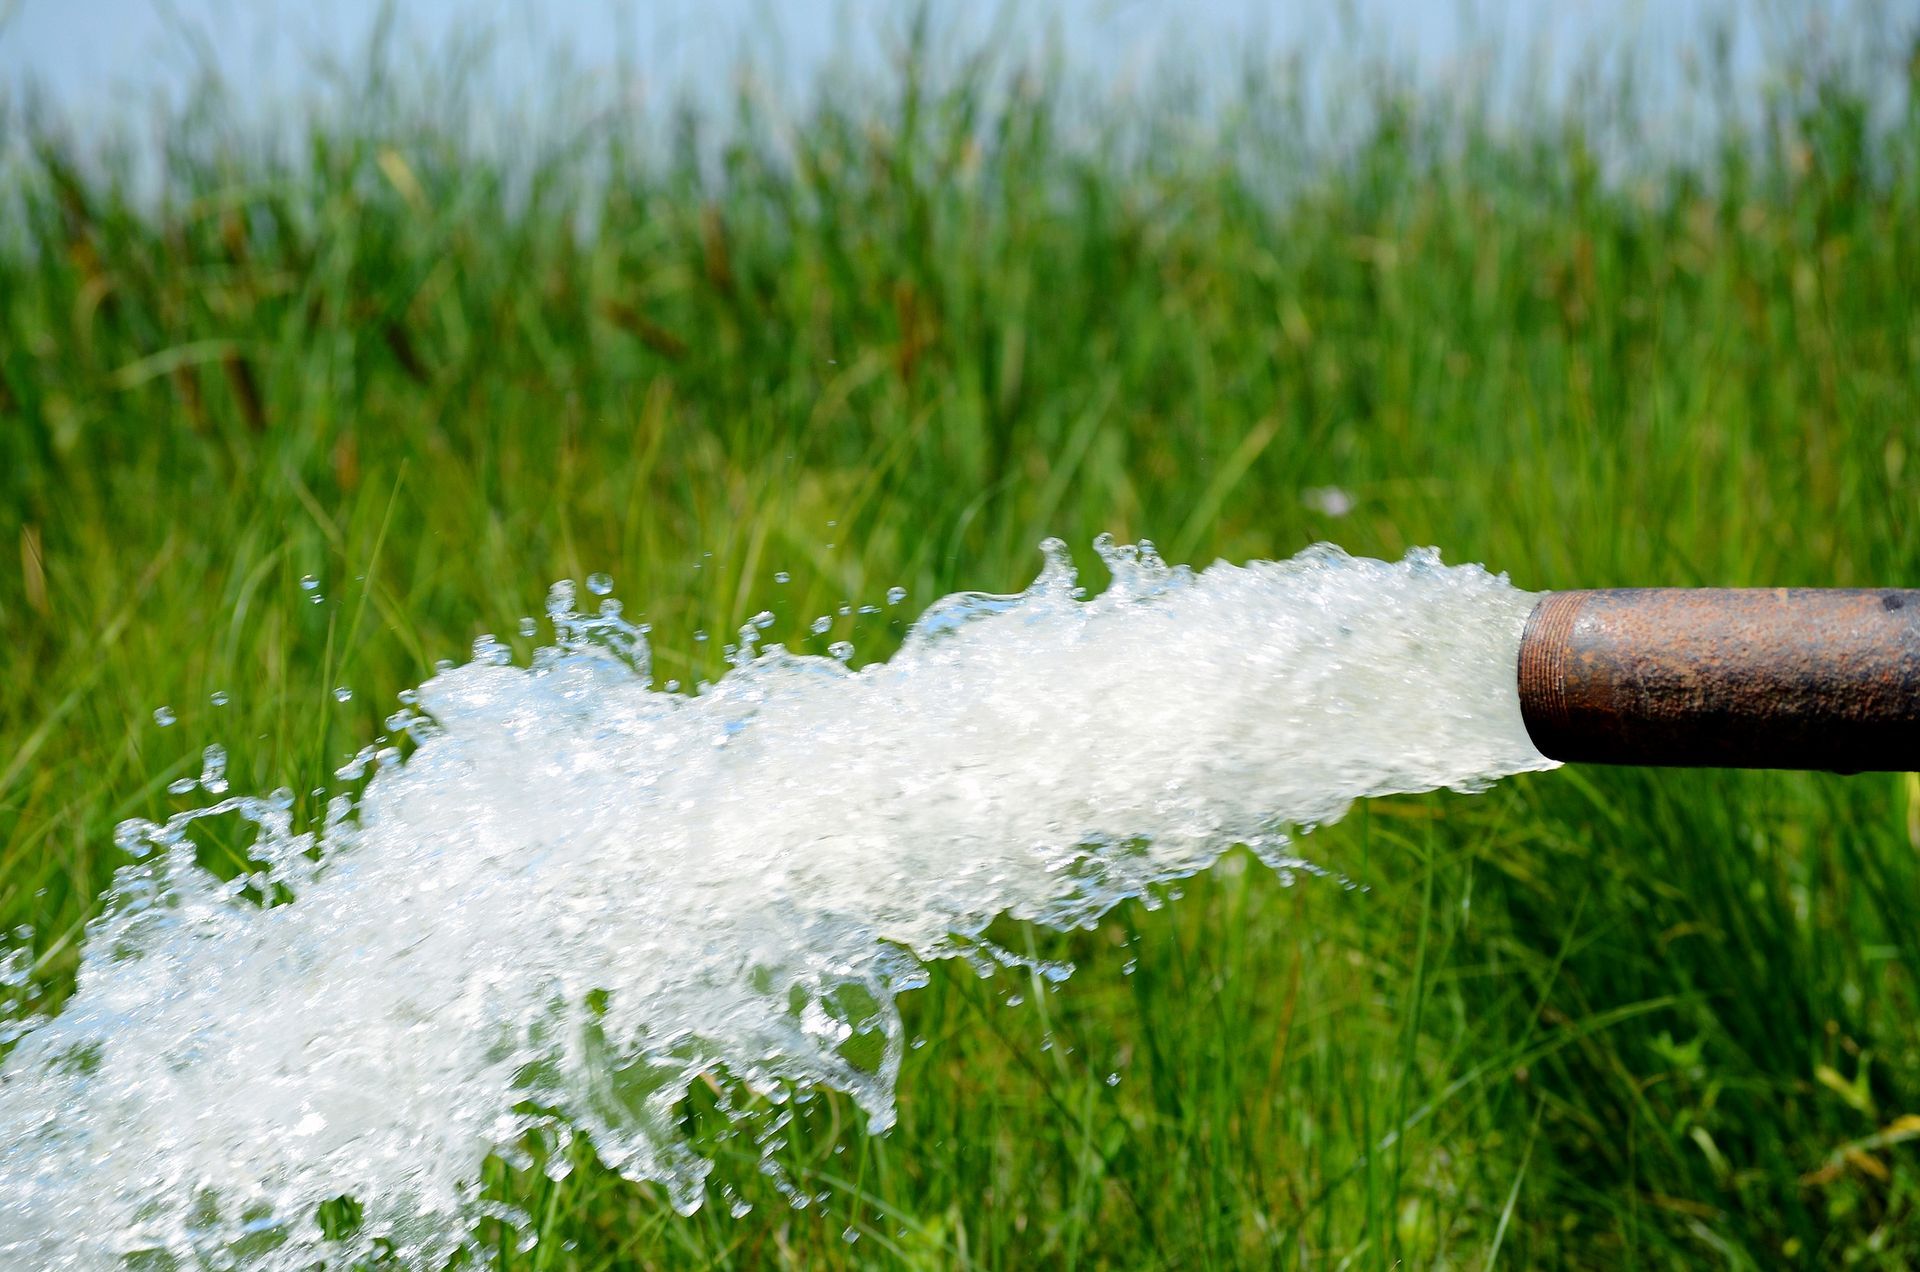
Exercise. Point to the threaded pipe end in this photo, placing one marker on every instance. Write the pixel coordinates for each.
(1545, 647)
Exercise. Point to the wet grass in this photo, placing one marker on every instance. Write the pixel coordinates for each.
(1589, 1019)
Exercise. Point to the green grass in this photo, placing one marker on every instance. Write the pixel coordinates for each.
(1590, 1019)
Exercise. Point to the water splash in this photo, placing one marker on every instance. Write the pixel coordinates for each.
(580, 894)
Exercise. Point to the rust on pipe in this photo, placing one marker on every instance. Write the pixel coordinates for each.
(1802, 678)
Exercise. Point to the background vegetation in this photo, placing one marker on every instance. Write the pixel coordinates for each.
(1591, 1019)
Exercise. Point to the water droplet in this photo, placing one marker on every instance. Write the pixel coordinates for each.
(763, 620)
(218, 697)
(895, 595)
(850, 1235)
(213, 770)
(1330, 500)
(529, 627)
(342, 693)
(1113, 1079)
(845, 610)
(489, 652)
(740, 1209)
(163, 716)
(781, 576)
(182, 785)
(599, 584)
(821, 625)
(869, 609)
(699, 637)
(309, 584)
(841, 649)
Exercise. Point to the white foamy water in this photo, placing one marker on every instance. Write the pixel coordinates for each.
(580, 893)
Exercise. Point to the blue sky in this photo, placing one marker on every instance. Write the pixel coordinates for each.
(102, 59)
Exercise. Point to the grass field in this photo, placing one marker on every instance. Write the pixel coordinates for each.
(1590, 1019)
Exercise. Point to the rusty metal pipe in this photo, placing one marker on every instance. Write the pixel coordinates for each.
(1801, 678)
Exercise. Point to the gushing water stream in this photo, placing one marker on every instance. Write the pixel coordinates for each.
(580, 892)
